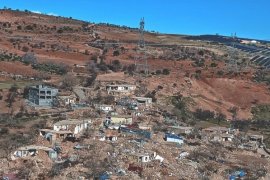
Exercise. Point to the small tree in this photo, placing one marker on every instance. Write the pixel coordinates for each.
(69, 81)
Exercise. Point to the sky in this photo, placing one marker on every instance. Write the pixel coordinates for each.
(246, 18)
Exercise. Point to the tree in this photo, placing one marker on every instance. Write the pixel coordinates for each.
(204, 114)
(12, 96)
(29, 58)
(131, 68)
(201, 53)
(116, 53)
(166, 71)
(69, 81)
(90, 80)
(116, 65)
(158, 72)
(25, 49)
(220, 117)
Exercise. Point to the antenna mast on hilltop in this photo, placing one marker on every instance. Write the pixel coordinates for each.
(141, 62)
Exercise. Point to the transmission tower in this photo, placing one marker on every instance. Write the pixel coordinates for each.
(141, 62)
(232, 64)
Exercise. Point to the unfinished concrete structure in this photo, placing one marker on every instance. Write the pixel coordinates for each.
(42, 95)
(120, 89)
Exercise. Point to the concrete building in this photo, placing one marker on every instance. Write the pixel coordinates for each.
(42, 95)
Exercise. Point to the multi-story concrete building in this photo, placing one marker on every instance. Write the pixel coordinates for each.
(42, 95)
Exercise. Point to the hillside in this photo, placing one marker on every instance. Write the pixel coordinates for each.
(197, 67)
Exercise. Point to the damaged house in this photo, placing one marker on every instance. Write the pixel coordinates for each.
(120, 89)
(67, 100)
(145, 101)
(145, 157)
(52, 135)
(181, 129)
(74, 126)
(117, 120)
(30, 151)
(219, 134)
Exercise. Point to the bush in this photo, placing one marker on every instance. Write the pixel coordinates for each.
(220, 73)
(152, 95)
(166, 71)
(213, 64)
(158, 72)
(29, 28)
(116, 66)
(25, 49)
(131, 69)
(204, 114)
(116, 53)
(60, 31)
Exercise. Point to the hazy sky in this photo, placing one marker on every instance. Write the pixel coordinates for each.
(248, 18)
